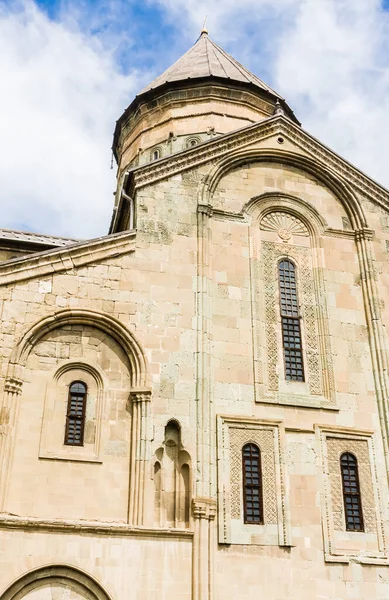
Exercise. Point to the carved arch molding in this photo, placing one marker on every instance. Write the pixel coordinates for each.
(96, 319)
(55, 583)
(140, 395)
(283, 227)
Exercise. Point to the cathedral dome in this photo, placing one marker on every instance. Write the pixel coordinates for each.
(204, 93)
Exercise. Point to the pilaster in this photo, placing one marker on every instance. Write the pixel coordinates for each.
(204, 513)
(8, 417)
(140, 453)
(363, 240)
(205, 427)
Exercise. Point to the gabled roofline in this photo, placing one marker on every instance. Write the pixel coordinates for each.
(221, 146)
(47, 262)
(16, 236)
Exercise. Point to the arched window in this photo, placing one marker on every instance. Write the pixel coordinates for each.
(75, 417)
(351, 492)
(156, 154)
(290, 321)
(252, 484)
(191, 142)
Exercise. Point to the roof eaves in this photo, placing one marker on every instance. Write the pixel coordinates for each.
(146, 96)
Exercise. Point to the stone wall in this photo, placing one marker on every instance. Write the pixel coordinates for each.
(195, 298)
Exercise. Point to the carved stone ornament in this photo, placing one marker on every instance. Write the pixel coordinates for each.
(336, 446)
(284, 224)
(140, 395)
(204, 508)
(13, 385)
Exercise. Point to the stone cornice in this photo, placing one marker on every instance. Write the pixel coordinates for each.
(68, 258)
(138, 395)
(90, 527)
(218, 147)
(223, 145)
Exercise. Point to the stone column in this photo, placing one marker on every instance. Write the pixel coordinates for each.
(140, 453)
(204, 512)
(8, 418)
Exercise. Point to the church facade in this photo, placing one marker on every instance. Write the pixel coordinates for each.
(195, 406)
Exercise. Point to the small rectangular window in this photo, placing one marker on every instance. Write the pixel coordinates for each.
(75, 417)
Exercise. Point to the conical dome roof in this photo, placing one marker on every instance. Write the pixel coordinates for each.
(206, 92)
(207, 59)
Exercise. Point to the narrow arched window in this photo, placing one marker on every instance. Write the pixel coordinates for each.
(351, 492)
(75, 416)
(252, 484)
(156, 154)
(290, 321)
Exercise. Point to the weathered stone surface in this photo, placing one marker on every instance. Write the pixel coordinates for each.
(177, 335)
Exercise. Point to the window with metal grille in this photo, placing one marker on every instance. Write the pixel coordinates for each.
(75, 417)
(351, 492)
(252, 484)
(290, 321)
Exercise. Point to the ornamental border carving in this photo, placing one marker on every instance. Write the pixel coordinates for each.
(232, 433)
(332, 441)
(278, 124)
(266, 321)
(335, 448)
(264, 439)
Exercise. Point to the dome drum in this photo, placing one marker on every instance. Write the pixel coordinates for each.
(205, 88)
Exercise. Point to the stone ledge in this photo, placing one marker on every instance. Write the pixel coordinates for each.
(70, 257)
(346, 559)
(93, 527)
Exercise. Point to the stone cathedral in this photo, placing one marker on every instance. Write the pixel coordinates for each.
(196, 405)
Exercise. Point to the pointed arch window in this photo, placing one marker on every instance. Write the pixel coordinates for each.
(351, 492)
(252, 484)
(75, 417)
(290, 321)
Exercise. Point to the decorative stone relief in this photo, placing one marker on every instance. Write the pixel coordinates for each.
(340, 545)
(264, 438)
(233, 434)
(336, 447)
(282, 232)
(13, 385)
(284, 224)
(271, 253)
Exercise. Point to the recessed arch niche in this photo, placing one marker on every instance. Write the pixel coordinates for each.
(55, 583)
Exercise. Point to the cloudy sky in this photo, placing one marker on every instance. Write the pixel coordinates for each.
(68, 68)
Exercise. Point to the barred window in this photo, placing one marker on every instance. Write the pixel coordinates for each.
(252, 484)
(351, 492)
(75, 417)
(290, 321)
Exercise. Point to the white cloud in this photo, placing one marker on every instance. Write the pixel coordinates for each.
(62, 97)
(333, 64)
(64, 91)
(328, 58)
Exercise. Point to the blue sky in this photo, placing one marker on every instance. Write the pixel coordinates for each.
(72, 67)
